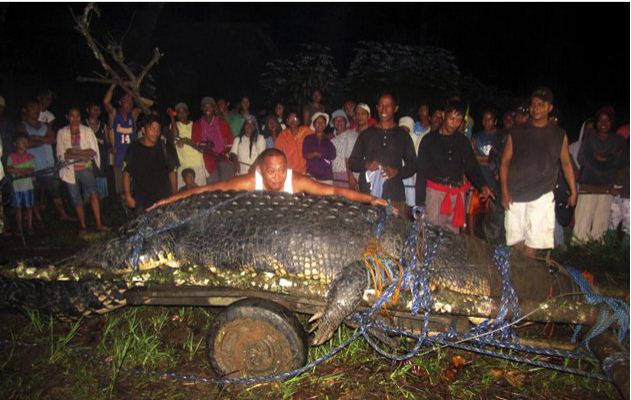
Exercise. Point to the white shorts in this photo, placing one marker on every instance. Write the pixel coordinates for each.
(531, 222)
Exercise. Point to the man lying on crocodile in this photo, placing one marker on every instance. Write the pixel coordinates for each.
(271, 174)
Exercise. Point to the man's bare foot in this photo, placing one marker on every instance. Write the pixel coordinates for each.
(68, 218)
(103, 228)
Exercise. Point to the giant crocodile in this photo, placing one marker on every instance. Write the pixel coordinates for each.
(306, 246)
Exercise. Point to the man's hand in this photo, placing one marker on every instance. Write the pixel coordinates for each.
(165, 201)
(352, 182)
(506, 199)
(130, 201)
(372, 165)
(571, 201)
(235, 162)
(485, 193)
(377, 201)
(389, 172)
(155, 205)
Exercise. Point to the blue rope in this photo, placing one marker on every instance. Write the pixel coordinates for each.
(416, 276)
(509, 301)
(617, 311)
(613, 359)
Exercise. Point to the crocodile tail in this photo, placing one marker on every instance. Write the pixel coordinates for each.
(63, 299)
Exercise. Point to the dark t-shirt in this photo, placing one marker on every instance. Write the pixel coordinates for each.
(534, 167)
(446, 159)
(149, 171)
(100, 134)
(392, 148)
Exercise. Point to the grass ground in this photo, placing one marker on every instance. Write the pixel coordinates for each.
(43, 358)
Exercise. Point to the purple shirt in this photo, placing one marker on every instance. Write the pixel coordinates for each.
(319, 168)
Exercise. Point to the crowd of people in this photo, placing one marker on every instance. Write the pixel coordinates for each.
(518, 173)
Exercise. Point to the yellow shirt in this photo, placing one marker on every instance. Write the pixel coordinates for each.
(189, 157)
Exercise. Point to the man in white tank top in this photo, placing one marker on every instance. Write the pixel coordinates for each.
(272, 174)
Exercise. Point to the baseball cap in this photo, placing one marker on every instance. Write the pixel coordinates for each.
(180, 106)
(523, 109)
(207, 101)
(364, 107)
(544, 94)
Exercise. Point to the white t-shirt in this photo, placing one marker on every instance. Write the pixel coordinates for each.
(46, 117)
(241, 147)
(344, 144)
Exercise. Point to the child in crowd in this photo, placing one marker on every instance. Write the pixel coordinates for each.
(21, 165)
(188, 176)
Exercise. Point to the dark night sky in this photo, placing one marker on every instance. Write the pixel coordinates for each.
(580, 50)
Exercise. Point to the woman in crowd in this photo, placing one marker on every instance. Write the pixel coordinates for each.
(271, 130)
(247, 147)
(76, 142)
(319, 151)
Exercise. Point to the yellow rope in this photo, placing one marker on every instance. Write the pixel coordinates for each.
(374, 252)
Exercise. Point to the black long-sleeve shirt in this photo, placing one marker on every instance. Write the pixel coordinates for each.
(446, 159)
(601, 172)
(390, 147)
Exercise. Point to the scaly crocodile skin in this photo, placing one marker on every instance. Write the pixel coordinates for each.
(294, 244)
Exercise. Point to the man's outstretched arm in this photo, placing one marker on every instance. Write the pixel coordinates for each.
(241, 182)
(307, 185)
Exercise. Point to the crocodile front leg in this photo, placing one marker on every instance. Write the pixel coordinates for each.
(342, 299)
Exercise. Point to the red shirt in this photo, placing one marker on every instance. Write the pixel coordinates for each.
(210, 158)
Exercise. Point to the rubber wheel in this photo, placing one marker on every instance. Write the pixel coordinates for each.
(255, 337)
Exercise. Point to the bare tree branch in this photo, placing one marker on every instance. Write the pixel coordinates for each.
(117, 54)
(87, 79)
(156, 57)
(83, 26)
(131, 85)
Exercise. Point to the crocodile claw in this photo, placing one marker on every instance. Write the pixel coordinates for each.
(343, 298)
(316, 316)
